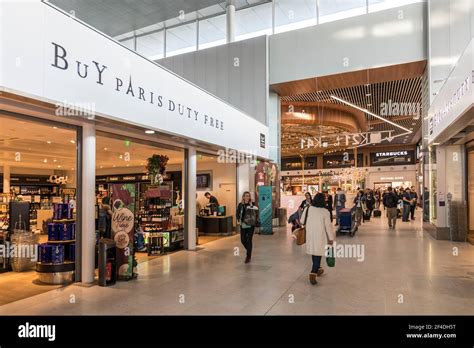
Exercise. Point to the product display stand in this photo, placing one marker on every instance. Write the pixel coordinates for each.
(56, 263)
(155, 219)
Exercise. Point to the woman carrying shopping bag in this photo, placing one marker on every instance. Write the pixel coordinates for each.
(319, 234)
(247, 217)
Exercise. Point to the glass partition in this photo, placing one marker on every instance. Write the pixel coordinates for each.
(294, 14)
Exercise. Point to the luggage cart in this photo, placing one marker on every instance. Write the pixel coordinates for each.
(347, 222)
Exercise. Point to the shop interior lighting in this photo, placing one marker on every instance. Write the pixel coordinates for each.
(149, 131)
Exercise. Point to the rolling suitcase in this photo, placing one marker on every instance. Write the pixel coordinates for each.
(377, 213)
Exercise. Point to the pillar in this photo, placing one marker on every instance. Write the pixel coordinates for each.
(88, 203)
(230, 20)
(190, 198)
(6, 178)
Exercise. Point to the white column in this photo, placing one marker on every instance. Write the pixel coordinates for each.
(88, 203)
(190, 200)
(6, 178)
(230, 21)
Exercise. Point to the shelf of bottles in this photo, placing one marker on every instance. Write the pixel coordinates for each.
(154, 216)
(57, 256)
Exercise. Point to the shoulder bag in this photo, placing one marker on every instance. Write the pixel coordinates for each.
(300, 233)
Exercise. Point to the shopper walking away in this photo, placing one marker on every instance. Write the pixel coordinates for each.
(414, 198)
(406, 199)
(328, 202)
(369, 202)
(247, 218)
(307, 201)
(319, 234)
(359, 206)
(378, 199)
(339, 203)
(390, 201)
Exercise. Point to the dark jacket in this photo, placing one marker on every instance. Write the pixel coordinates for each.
(329, 203)
(392, 202)
(304, 204)
(241, 209)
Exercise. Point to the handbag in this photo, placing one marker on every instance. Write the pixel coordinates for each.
(330, 259)
(300, 233)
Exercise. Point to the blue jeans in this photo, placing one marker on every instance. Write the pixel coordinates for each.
(406, 212)
(316, 263)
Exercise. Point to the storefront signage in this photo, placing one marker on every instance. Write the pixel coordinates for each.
(391, 154)
(440, 114)
(390, 158)
(454, 98)
(79, 65)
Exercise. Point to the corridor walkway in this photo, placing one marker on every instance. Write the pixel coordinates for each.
(403, 272)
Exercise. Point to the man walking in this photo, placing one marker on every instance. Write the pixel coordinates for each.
(414, 198)
(390, 201)
(406, 199)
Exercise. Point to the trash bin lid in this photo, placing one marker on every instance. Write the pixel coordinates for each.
(110, 243)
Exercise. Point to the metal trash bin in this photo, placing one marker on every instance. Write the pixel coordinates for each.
(282, 219)
(26, 245)
(107, 262)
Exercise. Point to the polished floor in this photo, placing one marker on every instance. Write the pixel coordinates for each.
(403, 272)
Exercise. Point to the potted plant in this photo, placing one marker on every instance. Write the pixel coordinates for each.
(156, 167)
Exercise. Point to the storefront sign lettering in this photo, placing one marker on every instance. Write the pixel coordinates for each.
(440, 114)
(128, 87)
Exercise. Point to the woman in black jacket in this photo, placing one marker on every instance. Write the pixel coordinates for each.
(247, 218)
(307, 201)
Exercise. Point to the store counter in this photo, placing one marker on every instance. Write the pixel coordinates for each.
(215, 225)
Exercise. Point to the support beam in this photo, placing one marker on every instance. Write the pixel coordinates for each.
(190, 198)
(230, 20)
(6, 178)
(88, 203)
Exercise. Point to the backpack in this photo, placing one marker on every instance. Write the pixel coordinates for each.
(391, 200)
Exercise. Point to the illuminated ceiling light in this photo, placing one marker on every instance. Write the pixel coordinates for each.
(113, 166)
(55, 127)
(101, 167)
(413, 124)
(55, 160)
(48, 141)
(105, 149)
(369, 105)
(149, 131)
(59, 166)
(72, 141)
(45, 160)
(370, 113)
(72, 168)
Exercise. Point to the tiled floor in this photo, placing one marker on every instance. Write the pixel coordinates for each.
(404, 272)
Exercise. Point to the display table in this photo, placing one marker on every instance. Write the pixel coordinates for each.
(215, 225)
